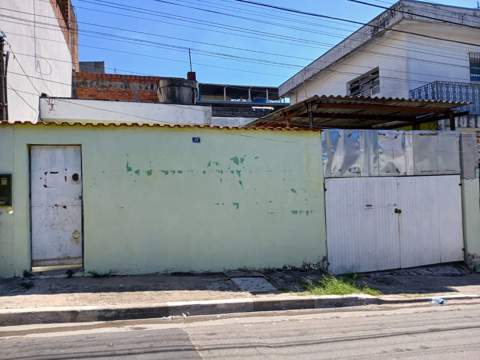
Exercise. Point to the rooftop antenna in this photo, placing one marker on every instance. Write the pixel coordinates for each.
(190, 58)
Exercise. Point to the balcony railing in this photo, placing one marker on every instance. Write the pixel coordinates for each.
(451, 91)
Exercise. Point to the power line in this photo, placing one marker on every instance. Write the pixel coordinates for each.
(355, 22)
(241, 9)
(240, 34)
(23, 99)
(137, 9)
(169, 37)
(246, 18)
(21, 66)
(395, 47)
(291, 65)
(182, 49)
(414, 14)
(296, 65)
(330, 44)
(142, 56)
(350, 73)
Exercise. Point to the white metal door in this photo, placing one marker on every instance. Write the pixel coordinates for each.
(431, 220)
(56, 205)
(393, 222)
(362, 227)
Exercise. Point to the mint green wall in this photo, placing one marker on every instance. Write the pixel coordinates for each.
(155, 201)
(471, 221)
(6, 216)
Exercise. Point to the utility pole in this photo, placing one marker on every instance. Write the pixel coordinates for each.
(3, 80)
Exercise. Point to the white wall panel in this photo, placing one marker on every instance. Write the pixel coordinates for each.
(40, 59)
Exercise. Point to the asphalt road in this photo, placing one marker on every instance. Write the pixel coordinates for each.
(428, 332)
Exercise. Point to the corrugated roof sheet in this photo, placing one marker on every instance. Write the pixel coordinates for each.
(358, 112)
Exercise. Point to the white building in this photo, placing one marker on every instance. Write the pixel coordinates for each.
(41, 42)
(386, 58)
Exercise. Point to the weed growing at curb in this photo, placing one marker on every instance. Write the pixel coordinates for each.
(346, 285)
(97, 275)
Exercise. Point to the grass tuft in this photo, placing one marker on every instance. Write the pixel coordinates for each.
(98, 275)
(331, 285)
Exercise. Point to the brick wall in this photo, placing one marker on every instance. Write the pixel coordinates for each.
(94, 86)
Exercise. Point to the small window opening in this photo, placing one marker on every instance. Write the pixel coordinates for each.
(367, 84)
(474, 66)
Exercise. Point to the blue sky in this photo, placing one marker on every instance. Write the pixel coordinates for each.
(262, 46)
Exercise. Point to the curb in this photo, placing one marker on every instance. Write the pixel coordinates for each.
(210, 307)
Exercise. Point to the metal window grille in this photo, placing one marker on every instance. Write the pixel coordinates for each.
(474, 66)
(367, 84)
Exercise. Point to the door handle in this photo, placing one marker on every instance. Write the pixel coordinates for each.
(397, 211)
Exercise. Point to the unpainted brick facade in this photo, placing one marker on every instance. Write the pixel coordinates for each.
(114, 87)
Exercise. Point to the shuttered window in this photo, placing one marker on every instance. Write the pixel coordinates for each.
(474, 66)
(366, 85)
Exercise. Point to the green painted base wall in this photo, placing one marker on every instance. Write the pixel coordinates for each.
(154, 201)
(7, 224)
(471, 221)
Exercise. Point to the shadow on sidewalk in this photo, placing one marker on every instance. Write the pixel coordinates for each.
(452, 278)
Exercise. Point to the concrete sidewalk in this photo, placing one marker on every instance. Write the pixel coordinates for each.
(47, 300)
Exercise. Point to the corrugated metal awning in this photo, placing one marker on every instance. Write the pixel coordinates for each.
(351, 112)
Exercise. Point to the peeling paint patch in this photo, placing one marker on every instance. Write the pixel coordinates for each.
(238, 160)
(213, 163)
(236, 205)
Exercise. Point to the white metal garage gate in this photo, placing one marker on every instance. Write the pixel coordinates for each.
(388, 222)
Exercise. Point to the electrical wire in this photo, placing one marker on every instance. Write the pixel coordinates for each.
(21, 66)
(329, 45)
(376, 27)
(23, 99)
(414, 14)
(367, 67)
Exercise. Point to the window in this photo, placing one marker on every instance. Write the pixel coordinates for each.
(365, 85)
(474, 66)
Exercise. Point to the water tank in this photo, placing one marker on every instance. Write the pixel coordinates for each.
(177, 91)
